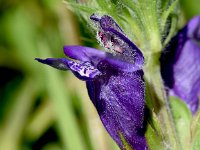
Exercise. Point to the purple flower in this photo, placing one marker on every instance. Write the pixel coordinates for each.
(180, 64)
(114, 80)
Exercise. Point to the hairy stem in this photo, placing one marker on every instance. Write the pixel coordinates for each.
(162, 107)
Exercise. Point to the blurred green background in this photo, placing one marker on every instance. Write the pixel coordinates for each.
(40, 107)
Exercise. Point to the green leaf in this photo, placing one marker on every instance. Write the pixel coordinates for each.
(182, 117)
(172, 30)
(154, 134)
(167, 12)
(195, 131)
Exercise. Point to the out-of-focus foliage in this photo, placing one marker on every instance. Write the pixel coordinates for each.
(41, 108)
(191, 8)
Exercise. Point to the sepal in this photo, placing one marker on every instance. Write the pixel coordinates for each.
(182, 118)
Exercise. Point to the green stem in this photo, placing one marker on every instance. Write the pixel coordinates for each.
(150, 21)
(162, 107)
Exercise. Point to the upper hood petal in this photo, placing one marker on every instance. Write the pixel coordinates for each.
(111, 37)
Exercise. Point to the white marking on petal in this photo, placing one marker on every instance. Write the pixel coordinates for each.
(85, 69)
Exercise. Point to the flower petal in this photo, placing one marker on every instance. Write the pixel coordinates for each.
(114, 81)
(180, 67)
(58, 63)
(193, 28)
(82, 70)
(119, 100)
(113, 38)
(95, 56)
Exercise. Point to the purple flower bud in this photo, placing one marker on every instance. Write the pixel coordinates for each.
(180, 64)
(114, 80)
